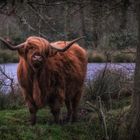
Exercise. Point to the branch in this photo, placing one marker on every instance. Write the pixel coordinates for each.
(82, 7)
(103, 118)
(4, 4)
(7, 77)
(3, 72)
(56, 3)
(24, 21)
(42, 18)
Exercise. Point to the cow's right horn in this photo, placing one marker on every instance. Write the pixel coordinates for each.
(68, 45)
(10, 46)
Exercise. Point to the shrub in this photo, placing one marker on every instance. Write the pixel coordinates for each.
(109, 84)
(10, 97)
(8, 56)
(1, 60)
(14, 58)
(122, 40)
(11, 100)
(123, 58)
(96, 57)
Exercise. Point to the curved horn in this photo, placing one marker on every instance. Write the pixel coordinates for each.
(10, 46)
(67, 46)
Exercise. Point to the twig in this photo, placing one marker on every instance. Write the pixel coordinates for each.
(45, 21)
(7, 77)
(24, 21)
(103, 118)
(101, 115)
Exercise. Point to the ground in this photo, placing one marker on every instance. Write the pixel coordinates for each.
(15, 126)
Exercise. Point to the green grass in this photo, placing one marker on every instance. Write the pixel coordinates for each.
(14, 125)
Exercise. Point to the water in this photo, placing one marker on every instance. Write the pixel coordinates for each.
(92, 68)
(10, 69)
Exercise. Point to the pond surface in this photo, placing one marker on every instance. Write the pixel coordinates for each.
(92, 68)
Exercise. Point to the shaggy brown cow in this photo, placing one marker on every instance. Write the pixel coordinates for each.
(51, 73)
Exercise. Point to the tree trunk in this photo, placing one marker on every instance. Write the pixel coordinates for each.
(95, 22)
(83, 28)
(135, 126)
(67, 22)
(124, 11)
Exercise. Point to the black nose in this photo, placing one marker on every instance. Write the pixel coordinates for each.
(37, 58)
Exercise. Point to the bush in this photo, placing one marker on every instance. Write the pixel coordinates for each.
(10, 97)
(7, 56)
(96, 58)
(1, 60)
(109, 84)
(123, 58)
(122, 40)
(11, 101)
(14, 59)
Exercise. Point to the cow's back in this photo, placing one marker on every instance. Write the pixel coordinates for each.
(73, 62)
(71, 66)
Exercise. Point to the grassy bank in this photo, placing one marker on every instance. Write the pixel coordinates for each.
(14, 125)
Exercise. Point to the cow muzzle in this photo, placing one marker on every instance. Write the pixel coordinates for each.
(37, 61)
(38, 58)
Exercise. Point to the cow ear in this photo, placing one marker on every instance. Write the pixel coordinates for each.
(21, 52)
(52, 52)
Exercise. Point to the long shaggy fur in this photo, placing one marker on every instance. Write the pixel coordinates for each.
(59, 79)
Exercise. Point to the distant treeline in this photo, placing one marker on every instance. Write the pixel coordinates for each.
(103, 23)
(7, 56)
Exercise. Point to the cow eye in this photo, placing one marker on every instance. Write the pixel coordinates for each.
(31, 48)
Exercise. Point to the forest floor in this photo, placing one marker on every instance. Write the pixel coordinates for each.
(14, 125)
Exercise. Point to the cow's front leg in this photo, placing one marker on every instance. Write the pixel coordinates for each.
(32, 110)
(31, 105)
(56, 114)
(55, 110)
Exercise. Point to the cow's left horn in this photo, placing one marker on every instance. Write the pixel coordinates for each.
(10, 46)
(67, 46)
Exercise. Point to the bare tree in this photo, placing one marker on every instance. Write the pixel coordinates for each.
(82, 19)
(67, 21)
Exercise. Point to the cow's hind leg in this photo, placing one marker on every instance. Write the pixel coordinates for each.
(56, 114)
(32, 111)
(69, 109)
(75, 103)
(31, 105)
(55, 110)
